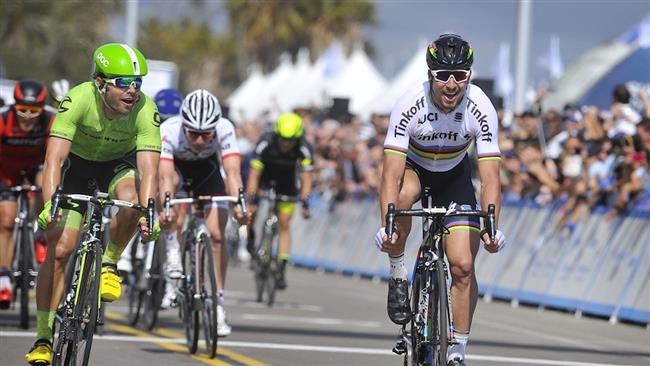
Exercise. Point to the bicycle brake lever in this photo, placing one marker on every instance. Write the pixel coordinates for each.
(242, 201)
(390, 221)
(167, 204)
(150, 215)
(56, 198)
(490, 225)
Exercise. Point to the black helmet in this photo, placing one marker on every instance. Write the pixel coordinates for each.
(30, 93)
(450, 52)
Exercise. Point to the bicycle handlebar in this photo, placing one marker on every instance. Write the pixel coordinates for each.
(19, 189)
(104, 202)
(489, 216)
(240, 199)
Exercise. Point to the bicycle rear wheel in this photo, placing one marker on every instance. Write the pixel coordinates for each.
(155, 286)
(189, 315)
(210, 298)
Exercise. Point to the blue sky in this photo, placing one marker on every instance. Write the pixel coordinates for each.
(580, 25)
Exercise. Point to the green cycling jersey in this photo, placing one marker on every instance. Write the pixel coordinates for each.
(96, 138)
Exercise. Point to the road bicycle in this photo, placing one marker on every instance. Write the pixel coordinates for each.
(197, 292)
(266, 266)
(146, 281)
(24, 261)
(428, 336)
(79, 313)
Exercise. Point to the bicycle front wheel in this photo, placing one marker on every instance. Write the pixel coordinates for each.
(416, 329)
(210, 296)
(188, 312)
(155, 286)
(441, 313)
(26, 240)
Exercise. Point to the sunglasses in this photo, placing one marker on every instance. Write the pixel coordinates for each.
(443, 76)
(26, 111)
(196, 135)
(125, 82)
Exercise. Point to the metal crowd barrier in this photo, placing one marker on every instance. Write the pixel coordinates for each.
(598, 266)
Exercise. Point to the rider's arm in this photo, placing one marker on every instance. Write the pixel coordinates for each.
(147, 162)
(256, 167)
(57, 151)
(230, 158)
(166, 174)
(395, 148)
(148, 146)
(306, 168)
(486, 134)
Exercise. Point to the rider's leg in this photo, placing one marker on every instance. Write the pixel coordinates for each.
(7, 215)
(461, 247)
(285, 213)
(216, 222)
(123, 226)
(398, 306)
(51, 275)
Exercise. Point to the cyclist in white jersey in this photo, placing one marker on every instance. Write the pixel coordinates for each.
(195, 145)
(431, 129)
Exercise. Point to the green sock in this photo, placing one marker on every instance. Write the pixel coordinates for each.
(44, 324)
(113, 253)
(283, 257)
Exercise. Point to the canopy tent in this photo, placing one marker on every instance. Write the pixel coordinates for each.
(241, 97)
(359, 76)
(634, 68)
(591, 80)
(414, 72)
(267, 99)
(286, 96)
(585, 73)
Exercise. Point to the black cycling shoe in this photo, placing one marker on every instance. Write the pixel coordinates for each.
(456, 362)
(398, 308)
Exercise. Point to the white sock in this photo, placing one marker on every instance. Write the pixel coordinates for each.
(397, 268)
(457, 349)
(220, 297)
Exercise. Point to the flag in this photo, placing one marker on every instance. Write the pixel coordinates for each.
(551, 60)
(503, 80)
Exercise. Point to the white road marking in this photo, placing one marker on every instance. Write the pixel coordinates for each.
(353, 350)
(311, 320)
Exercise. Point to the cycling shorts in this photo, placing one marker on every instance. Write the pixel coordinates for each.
(284, 185)
(202, 178)
(83, 176)
(454, 185)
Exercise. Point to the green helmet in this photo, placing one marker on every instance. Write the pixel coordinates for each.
(118, 59)
(289, 126)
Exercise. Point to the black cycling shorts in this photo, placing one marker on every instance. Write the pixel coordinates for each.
(285, 184)
(201, 177)
(454, 185)
(83, 176)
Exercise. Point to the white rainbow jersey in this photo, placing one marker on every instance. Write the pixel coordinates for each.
(439, 141)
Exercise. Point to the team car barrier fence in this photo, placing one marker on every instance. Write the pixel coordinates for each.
(597, 266)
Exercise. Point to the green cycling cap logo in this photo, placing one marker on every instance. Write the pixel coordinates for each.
(102, 59)
(63, 107)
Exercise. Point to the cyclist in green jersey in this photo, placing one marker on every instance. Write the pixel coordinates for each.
(106, 137)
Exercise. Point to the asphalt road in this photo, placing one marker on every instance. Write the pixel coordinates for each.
(330, 319)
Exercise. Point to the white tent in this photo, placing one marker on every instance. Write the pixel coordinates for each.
(241, 98)
(292, 94)
(267, 96)
(415, 71)
(358, 81)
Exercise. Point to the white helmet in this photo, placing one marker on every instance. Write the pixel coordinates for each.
(200, 111)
